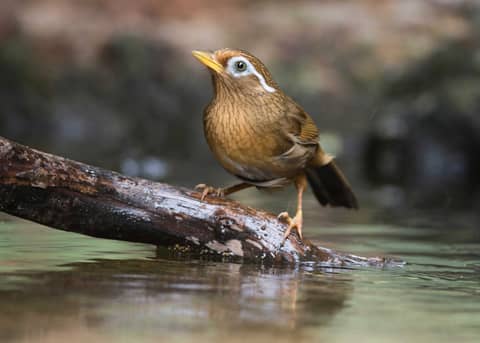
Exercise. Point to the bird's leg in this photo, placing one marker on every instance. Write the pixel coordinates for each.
(221, 192)
(297, 221)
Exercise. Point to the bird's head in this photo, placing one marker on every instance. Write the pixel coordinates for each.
(237, 71)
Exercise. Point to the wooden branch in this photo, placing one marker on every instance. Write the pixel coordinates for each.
(73, 196)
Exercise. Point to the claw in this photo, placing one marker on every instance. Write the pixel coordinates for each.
(200, 186)
(295, 223)
(284, 217)
(208, 190)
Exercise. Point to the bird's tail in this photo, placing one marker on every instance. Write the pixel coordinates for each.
(329, 184)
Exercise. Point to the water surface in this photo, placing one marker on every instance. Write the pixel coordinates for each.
(57, 286)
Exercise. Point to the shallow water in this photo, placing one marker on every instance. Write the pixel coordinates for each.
(57, 286)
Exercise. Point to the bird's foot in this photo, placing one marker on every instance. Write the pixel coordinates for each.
(295, 223)
(208, 190)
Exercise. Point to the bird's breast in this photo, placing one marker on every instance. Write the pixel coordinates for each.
(247, 141)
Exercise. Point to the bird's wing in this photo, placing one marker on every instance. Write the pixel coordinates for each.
(299, 125)
(300, 131)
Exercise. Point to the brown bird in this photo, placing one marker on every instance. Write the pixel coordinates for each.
(265, 138)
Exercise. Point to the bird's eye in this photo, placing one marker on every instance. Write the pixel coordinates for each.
(240, 66)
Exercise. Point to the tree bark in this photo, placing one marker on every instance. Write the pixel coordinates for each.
(76, 197)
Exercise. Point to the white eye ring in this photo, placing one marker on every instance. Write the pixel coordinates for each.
(249, 69)
(233, 66)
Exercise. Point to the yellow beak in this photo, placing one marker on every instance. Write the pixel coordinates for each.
(207, 59)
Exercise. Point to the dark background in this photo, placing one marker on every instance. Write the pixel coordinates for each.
(393, 85)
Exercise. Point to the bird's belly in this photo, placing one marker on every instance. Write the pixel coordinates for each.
(253, 157)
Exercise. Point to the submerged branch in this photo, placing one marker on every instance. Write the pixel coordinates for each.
(73, 196)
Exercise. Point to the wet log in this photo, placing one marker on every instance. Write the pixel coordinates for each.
(76, 197)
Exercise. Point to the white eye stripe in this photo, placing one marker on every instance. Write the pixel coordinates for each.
(248, 71)
(263, 82)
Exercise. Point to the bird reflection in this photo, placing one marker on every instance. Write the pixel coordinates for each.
(161, 296)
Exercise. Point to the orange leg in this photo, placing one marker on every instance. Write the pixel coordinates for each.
(297, 221)
(221, 192)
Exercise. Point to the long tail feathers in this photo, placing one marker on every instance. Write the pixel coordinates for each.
(330, 186)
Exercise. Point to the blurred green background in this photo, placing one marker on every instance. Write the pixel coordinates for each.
(393, 85)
